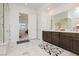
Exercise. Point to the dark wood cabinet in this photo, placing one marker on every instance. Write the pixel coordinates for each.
(76, 45)
(55, 38)
(66, 40)
(47, 36)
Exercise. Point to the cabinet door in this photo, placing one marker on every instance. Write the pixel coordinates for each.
(55, 38)
(66, 42)
(47, 36)
(76, 45)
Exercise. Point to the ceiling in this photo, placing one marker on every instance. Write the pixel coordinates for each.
(45, 6)
(35, 6)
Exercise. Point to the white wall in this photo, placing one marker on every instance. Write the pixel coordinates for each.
(32, 26)
(6, 23)
(43, 23)
(15, 9)
(14, 21)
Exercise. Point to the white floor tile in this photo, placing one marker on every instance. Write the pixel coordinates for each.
(32, 49)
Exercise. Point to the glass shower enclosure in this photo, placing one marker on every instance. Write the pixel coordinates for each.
(1, 23)
(4, 27)
(4, 22)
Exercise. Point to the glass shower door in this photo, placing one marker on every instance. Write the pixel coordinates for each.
(1, 23)
(4, 28)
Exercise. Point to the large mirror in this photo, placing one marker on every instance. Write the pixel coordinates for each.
(66, 21)
(23, 26)
(61, 21)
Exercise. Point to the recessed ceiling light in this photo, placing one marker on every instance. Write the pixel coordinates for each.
(48, 8)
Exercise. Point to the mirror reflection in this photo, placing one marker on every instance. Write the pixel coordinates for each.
(66, 21)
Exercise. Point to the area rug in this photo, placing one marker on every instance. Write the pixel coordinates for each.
(51, 49)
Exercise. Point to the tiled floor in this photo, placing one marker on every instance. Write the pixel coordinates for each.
(29, 49)
(32, 49)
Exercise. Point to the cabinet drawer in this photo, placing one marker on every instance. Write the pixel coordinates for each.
(66, 37)
(67, 34)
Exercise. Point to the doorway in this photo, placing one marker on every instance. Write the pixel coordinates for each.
(23, 27)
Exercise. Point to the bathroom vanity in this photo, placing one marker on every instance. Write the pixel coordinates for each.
(65, 40)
